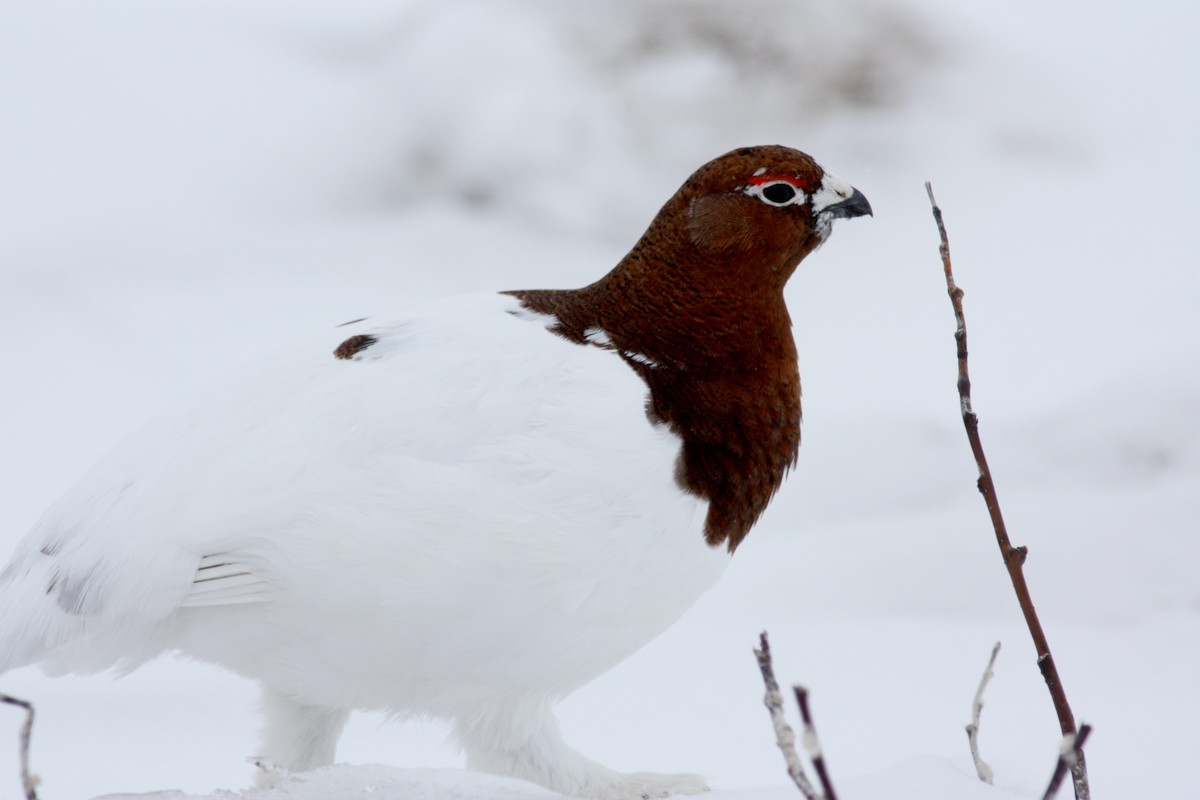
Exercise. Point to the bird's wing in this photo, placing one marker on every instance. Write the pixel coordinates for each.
(201, 508)
(224, 579)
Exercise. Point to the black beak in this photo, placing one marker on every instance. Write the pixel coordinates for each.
(856, 206)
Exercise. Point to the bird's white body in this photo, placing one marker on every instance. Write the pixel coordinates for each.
(465, 511)
(469, 519)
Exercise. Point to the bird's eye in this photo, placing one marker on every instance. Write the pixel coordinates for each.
(776, 192)
(779, 193)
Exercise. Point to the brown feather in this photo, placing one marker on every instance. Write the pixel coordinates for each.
(701, 296)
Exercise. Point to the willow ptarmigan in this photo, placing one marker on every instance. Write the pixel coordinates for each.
(466, 510)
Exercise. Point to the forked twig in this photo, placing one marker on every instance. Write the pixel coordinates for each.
(981, 767)
(29, 781)
(785, 737)
(1070, 753)
(1014, 557)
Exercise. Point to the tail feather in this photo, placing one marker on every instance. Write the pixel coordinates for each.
(35, 629)
(39, 614)
(65, 621)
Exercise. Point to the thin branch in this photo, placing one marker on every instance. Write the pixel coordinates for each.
(981, 767)
(1070, 753)
(785, 737)
(812, 744)
(1014, 557)
(29, 781)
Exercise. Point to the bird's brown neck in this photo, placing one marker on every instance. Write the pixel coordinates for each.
(720, 364)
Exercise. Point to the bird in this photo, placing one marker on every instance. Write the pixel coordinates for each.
(464, 510)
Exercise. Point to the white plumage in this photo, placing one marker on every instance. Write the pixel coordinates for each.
(466, 511)
(470, 518)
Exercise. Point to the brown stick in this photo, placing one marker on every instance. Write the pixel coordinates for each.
(1070, 755)
(812, 744)
(785, 737)
(28, 780)
(1014, 557)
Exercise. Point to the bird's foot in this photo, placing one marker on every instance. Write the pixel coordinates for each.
(268, 775)
(645, 785)
(522, 740)
(600, 783)
(575, 776)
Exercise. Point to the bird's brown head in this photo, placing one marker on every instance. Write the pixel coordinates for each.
(754, 213)
(707, 277)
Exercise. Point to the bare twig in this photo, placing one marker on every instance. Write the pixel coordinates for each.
(812, 744)
(1070, 753)
(1014, 557)
(981, 767)
(29, 781)
(785, 737)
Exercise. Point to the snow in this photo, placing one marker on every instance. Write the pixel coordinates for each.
(372, 782)
(188, 185)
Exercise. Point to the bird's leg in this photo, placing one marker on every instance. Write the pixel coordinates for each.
(522, 740)
(296, 737)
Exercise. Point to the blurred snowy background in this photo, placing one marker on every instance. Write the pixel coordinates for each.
(186, 186)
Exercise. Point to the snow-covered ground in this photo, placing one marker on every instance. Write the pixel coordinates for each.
(187, 186)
